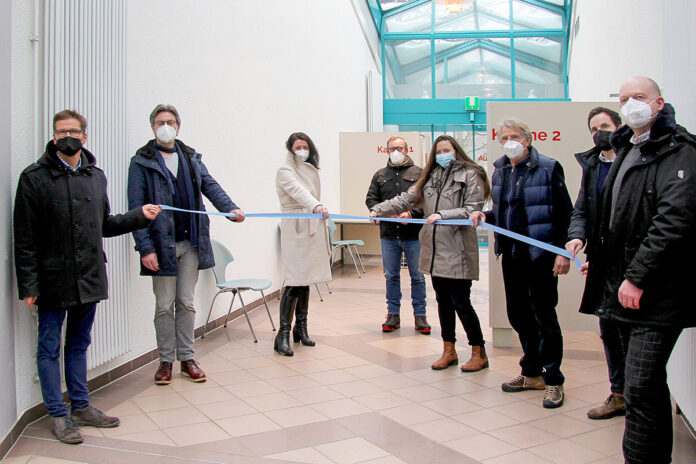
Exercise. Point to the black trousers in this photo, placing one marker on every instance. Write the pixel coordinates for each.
(454, 297)
(531, 294)
(648, 433)
(615, 352)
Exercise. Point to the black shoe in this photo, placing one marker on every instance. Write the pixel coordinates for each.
(392, 323)
(299, 332)
(287, 308)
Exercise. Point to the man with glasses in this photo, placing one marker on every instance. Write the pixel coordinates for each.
(639, 273)
(61, 214)
(397, 177)
(177, 244)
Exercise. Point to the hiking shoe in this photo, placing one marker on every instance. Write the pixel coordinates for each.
(422, 325)
(521, 383)
(392, 323)
(553, 397)
(66, 430)
(612, 406)
(93, 417)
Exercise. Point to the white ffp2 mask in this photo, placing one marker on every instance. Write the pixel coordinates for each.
(165, 134)
(303, 155)
(636, 113)
(513, 149)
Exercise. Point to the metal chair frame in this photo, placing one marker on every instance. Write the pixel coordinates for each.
(223, 257)
(337, 244)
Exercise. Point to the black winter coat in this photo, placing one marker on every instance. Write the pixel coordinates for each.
(582, 220)
(387, 183)
(650, 243)
(60, 217)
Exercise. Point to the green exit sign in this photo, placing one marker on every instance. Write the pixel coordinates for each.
(472, 103)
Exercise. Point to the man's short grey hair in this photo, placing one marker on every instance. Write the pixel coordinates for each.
(515, 123)
(161, 109)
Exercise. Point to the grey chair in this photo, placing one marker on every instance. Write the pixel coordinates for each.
(223, 257)
(337, 244)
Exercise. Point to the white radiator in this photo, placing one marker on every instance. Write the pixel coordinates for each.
(84, 69)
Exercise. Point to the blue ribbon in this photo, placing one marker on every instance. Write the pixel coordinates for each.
(449, 222)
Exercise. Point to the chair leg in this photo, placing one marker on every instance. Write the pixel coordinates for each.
(268, 310)
(246, 314)
(234, 295)
(355, 262)
(328, 288)
(359, 258)
(210, 311)
(319, 293)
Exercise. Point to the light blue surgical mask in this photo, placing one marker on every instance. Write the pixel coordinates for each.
(444, 159)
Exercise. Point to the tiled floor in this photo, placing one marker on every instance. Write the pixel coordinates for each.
(359, 396)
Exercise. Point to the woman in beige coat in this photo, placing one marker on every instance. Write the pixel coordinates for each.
(304, 243)
(451, 186)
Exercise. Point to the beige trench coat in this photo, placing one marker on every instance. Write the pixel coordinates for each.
(304, 243)
(446, 251)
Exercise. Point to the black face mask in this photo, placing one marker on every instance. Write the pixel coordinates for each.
(69, 145)
(601, 140)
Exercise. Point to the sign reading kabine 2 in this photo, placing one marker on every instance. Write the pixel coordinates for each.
(559, 130)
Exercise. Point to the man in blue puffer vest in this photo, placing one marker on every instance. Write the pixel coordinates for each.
(530, 197)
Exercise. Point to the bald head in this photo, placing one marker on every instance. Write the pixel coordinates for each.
(639, 84)
(645, 90)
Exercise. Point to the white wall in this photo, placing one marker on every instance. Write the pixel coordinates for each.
(23, 151)
(244, 75)
(8, 406)
(615, 40)
(678, 58)
(619, 39)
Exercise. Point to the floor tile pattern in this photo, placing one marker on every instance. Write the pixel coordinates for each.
(359, 396)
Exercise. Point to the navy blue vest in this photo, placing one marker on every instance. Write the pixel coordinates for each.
(534, 189)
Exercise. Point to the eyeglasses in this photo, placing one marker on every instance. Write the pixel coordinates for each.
(68, 132)
(399, 149)
(171, 122)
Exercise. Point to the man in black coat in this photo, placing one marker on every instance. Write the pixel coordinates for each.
(640, 272)
(61, 214)
(397, 177)
(596, 164)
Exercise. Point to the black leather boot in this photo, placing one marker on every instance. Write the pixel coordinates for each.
(287, 307)
(299, 332)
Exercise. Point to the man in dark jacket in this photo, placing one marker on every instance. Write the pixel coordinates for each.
(397, 177)
(61, 214)
(176, 245)
(530, 197)
(595, 164)
(640, 272)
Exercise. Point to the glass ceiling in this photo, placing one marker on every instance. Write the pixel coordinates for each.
(486, 48)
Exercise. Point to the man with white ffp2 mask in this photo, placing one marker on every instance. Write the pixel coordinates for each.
(177, 244)
(640, 273)
(397, 177)
(530, 197)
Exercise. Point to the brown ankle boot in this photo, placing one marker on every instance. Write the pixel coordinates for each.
(478, 360)
(448, 358)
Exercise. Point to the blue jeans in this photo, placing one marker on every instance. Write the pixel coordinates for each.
(77, 340)
(391, 260)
